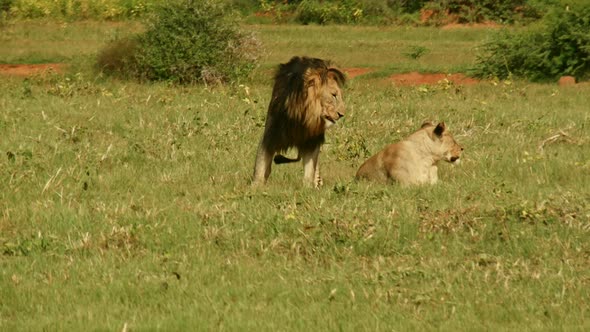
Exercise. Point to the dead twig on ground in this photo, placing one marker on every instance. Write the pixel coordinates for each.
(561, 136)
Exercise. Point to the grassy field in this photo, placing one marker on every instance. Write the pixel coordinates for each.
(127, 206)
(374, 47)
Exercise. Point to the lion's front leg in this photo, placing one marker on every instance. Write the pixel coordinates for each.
(317, 178)
(311, 169)
(433, 175)
(262, 166)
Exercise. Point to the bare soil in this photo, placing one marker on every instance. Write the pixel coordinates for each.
(354, 72)
(28, 70)
(484, 25)
(415, 78)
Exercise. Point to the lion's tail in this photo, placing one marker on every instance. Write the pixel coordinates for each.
(280, 159)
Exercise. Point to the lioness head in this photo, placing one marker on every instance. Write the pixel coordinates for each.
(445, 144)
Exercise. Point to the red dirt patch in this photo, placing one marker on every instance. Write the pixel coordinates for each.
(354, 72)
(492, 25)
(28, 70)
(415, 78)
(567, 80)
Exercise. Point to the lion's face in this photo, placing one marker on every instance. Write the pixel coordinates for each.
(446, 144)
(452, 149)
(332, 105)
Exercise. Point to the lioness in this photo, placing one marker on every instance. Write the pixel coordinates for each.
(413, 160)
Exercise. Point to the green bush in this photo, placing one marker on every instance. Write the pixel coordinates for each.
(307, 11)
(118, 58)
(406, 6)
(332, 11)
(353, 11)
(78, 9)
(5, 5)
(560, 45)
(4, 11)
(475, 11)
(340, 12)
(185, 41)
(245, 6)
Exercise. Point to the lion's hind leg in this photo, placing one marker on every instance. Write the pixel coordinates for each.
(262, 166)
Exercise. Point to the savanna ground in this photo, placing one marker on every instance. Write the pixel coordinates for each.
(127, 206)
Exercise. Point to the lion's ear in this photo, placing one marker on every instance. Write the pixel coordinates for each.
(337, 76)
(440, 128)
(312, 78)
(313, 84)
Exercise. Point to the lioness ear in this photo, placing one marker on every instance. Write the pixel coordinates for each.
(440, 128)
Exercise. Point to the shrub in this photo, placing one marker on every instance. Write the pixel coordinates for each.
(78, 9)
(118, 58)
(416, 51)
(404, 12)
(185, 42)
(246, 6)
(406, 6)
(475, 11)
(341, 12)
(559, 46)
(4, 11)
(5, 5)
(332, 11)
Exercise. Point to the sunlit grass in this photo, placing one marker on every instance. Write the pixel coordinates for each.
(381, 48)
(129, 204)
(50, 41)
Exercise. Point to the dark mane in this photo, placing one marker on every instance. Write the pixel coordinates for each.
(288, 103)
(306, 100)
(291, 75)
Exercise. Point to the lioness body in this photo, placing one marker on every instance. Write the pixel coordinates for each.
(413, 160)
(306, 100)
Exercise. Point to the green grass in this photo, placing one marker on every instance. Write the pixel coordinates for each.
(375, 47)
(42, 41)
(128, 204)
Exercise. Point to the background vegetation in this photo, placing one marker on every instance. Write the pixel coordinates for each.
(560, 45)
(77, 9)
(188, 41)
(199, 41)
(306, 11)
(185, 42)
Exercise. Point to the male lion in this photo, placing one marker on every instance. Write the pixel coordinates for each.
(413, 160)
(306, 99)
